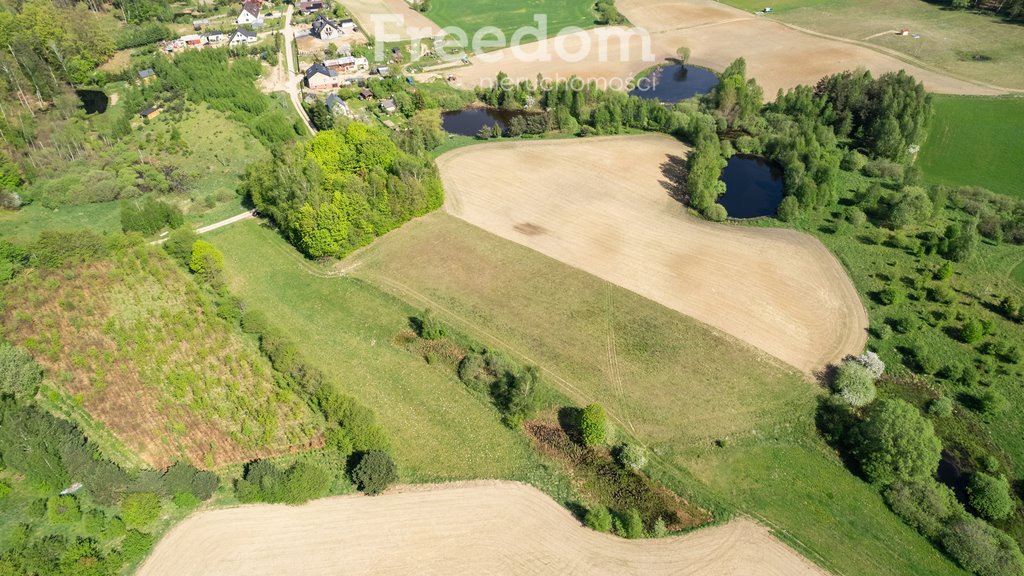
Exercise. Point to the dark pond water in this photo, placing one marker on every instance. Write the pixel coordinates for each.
(753, 187)
(469, 121)
(950, 475)
(675, 83)
(94, 101)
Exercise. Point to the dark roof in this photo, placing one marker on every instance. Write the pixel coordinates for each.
(334, 99)
(146, 73)
(246, 32)
(320, 23)
(389, 103)
(308, 4)
(319, 68)
(366, 93)
(251, 7)
(148, 111)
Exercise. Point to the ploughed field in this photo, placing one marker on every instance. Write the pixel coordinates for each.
(471, 528)
(604, 205)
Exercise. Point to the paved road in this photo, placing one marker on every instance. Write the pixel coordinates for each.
(291, 74)
(236, 218)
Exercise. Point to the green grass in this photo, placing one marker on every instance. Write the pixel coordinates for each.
(473, 15)
(664, 379)
(1018, 272)
(950, 39)
(347, 328)
(976, 141)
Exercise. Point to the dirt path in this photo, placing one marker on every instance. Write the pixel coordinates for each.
(468, 528)
(602, 205)
(779, 56)
(284, 77)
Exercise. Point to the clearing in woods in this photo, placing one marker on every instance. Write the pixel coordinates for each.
(452, 529)
(602, 205)
(133, 341)
(975, 142)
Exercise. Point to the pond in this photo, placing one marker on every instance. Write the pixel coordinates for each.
(949, 474)
(675, 83)
(469, 121)
(94, 101)
(753, 187)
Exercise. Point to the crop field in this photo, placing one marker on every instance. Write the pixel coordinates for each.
(966, 44)
(665, 379)
(390, 19)
(976, 142)
(453, 529)
(347, 328)
(135, 344)
(601, 205)
(473, 15)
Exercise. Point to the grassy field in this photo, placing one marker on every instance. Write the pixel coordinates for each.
(1018, 273)
(976, 142)
(347, 328)
(708, 406)
(973, 46)
(473, 15)
(135, 343)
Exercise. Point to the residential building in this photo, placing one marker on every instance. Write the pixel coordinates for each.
(250, 13)
(243, 36)
(320, 77)
(325, 29)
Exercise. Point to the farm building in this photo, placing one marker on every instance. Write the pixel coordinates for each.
(249, 14)
(347, 64)
(243, 36)
(325, 29)
(214, 37)
(310, 6)
(192, 40)
(320, 77)
(389, 106)
(151, 112)
(365, 94)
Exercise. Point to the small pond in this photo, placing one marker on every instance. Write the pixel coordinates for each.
(469, 121)
(94, 101)
(949, 474)
(753, 187)
(675, 83)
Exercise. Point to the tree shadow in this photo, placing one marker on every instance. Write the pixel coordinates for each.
(674, 171)
(569, 421)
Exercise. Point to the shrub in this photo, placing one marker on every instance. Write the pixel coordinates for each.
(923, 504)
(716, 212)
(19, 374)
(139, 510)
(982, 549)
(265, 482)
(375, 472)
(896, 443)
(149, 216)
(789, 209)
(63, 510)
(660, 528)
(598, 518)
(56, 249)
(135, 545)
(944, 272)
(972, 331)
(632, 456)
(990, 403)
(942, 294)
(940, 407)
(856, 216)
(871, 361)
(632, 525)
(185, 500)
(990, 495)
(855, 384)
(593, 424)
(430, 327)
(205, 259)
(891, 294)
(179, 245)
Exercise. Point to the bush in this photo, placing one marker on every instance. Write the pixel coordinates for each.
(716, 212)
(149, 216)
(598, 518)
(19, 374)
(63, 510)
(982, 549)
(136, 545)
(924, 505)
(141, 509)
(632, 525)
(972, 331)
(375, 472)
(430, 328)
(940, 407)
(789, 209)
(632, 456)
(871, 361)
(179, 245)
(855, 384)
(890, 295)
(56, 249)
(990, 495)
(205, 259)
(265, 482)
(593, 424)
(896, 443)
(990, 403)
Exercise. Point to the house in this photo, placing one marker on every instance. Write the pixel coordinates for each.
(243, 36)
(146, 75)
(250, 13)
(325, 29)
(214, 37)
(192, 40)
(337, 106)
(319, 77)
(310, 6)
(150, 113)
(389, 106)
(347, 64)
(381, 71)
(365, 94)
(347, 25)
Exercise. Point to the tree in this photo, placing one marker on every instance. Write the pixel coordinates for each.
(990, 495)
(982, 549)
(896, 443)
(593, 423)
(598, 518)
(855, 384)
(632, 525)
(924, 504)
(789, 209)
(375, 472)
(179, 245)
(139, 510)
(972, 331)
(632, 456)
(19, 374)
(206, 259)
(913, 207)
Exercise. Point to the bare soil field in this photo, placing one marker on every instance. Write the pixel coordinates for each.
(778, 56)
(470, 528)
(392, 20)
(603, 205)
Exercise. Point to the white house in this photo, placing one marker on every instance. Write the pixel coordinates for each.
(325, 29)
(214, 37)
(250, 14)
(243, 36)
